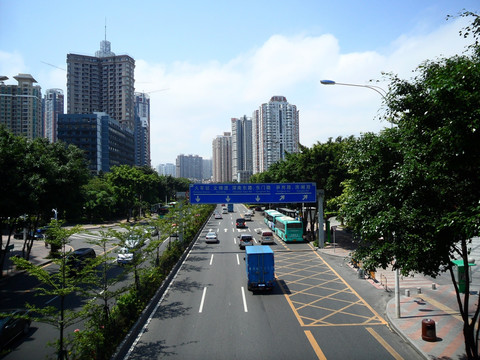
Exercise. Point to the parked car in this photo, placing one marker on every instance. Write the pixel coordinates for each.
(125, 256)
(76, 260)
(211, 237)
(13, 324)
(245, 240)
(240, 223)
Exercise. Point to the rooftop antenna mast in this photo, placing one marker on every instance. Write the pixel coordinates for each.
(105, 28)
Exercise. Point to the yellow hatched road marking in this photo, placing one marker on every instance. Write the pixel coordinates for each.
(384, 344)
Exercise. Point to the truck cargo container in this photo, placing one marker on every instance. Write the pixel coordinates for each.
(260, 267)
(230, 207)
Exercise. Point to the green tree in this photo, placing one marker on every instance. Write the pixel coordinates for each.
(413, 194)
(62, 283)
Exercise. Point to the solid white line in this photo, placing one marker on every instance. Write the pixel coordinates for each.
(203, 299)
(244, 300)
(238, 260)
(211, 260)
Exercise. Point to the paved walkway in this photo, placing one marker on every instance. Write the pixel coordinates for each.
(421, 299)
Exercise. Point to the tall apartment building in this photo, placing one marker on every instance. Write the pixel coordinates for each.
(105, 142)
(101, 83)
(167, 169)
(242, 155)
(189, 166)
(222, 158)
(142, 129)
(275, 132)
(207, 169)
(53, 105)
(21, 106)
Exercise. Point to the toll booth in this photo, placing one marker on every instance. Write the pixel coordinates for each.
(461, 277)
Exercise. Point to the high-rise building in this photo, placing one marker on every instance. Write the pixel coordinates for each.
(105, 141)
(167, 169)
(242, 156)
(21, 106)
(275, 132)
(142, 129)
(52, 107)
(101, 83)
(189, 166)
(222, 158)
(207, 169)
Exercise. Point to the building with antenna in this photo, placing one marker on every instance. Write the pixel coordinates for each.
(102, 83)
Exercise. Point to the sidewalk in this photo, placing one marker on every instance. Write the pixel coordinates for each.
(427, 300)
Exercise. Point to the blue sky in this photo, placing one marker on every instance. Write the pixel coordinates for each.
(223, 59)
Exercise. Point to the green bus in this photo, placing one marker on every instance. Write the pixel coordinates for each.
(288, 229)
(270, 216)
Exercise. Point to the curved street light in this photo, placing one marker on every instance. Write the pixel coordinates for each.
(377, 89)
(383, 94)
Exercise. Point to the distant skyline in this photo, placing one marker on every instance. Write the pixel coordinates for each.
(205, 62)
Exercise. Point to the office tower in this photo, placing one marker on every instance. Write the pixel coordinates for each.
(275, 132)
(242, 156)
(142, 129)
(52, 107)
(222, 158)
(21, 106)
(189, 166)
(105, 141)
(101, 83)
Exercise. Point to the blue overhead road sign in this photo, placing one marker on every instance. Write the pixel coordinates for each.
(253, 193)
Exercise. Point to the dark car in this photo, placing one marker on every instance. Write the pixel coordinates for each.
(13, 324)
(240, 223)
(77, 259)
(245, 240)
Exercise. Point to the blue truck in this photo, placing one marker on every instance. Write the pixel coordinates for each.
(230, 207)
(260, 267)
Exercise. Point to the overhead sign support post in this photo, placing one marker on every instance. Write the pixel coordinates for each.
(321, 232)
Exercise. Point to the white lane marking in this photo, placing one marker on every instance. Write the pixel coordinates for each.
(211, 260)
(203, 299)
(244, 300)
(235, 241)
(238, 260)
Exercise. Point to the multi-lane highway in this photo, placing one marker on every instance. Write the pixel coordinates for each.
(208, 313)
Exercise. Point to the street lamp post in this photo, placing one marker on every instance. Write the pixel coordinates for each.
(383, 94)
(377, 89)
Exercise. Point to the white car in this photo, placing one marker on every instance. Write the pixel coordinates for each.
(124, 256)
(218, 216)
(211, 237)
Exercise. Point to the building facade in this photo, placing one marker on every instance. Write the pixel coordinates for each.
(189, 166)
(53, 105)
(167, 169)
(242, 151)
(142, 129)
(102, 83)
(275, 132)
(222, 158)
(21, 106)
(105, 141)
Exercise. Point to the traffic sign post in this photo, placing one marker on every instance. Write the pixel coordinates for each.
(263, 193)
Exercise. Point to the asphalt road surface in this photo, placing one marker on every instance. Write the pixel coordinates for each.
(313, 313)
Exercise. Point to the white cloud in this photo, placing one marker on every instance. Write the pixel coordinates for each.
(192, 103)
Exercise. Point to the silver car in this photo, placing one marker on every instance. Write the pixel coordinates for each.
(211, 237)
